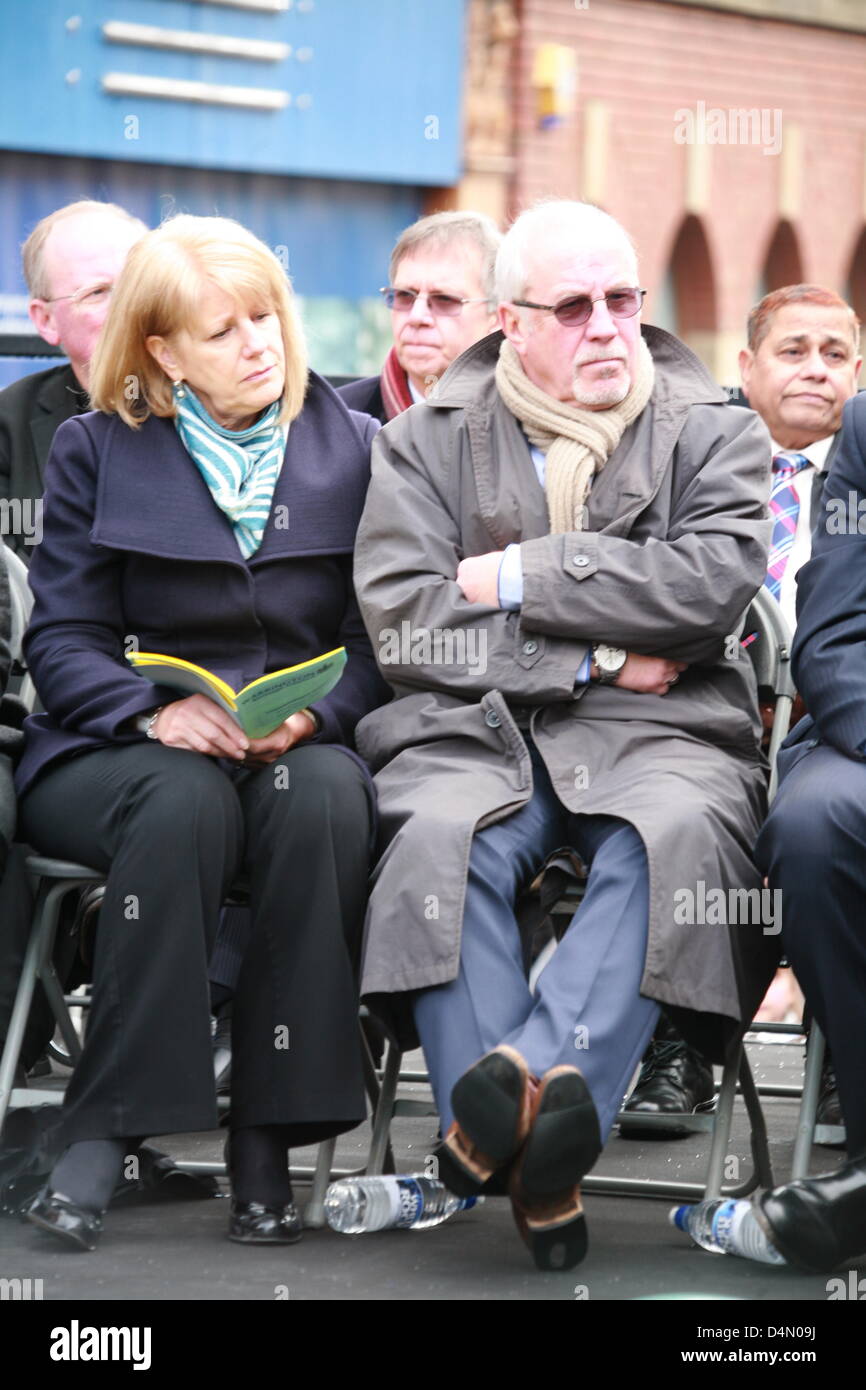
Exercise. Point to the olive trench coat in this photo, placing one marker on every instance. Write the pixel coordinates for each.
(674, 548)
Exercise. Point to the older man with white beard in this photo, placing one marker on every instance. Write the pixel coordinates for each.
(577, 491)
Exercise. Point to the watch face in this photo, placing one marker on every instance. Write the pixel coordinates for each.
(610, 658)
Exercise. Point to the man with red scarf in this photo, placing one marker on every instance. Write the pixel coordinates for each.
(440, 296)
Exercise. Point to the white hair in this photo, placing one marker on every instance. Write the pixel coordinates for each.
(554, 223)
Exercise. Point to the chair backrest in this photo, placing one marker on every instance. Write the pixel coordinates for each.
(22, 599)
(21, 602)
(769, 642)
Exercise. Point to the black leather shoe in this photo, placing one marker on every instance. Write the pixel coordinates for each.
(829, 1123)
(252, 1223)
(818, 1223)
(675, 1080)
(78, 1226)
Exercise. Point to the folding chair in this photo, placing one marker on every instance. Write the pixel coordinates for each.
(54, 879)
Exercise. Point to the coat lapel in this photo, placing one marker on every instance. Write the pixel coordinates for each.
(152, 498)
(58, 400)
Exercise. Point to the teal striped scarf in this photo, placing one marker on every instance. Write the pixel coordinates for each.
(240, 467)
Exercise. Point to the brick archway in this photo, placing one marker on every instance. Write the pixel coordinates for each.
(783, 262)
(689, 290)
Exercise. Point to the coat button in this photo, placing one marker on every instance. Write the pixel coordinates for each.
(580, 561)
(530, 648)
(492, 719)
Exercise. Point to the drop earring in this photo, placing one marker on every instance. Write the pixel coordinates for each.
(178, 388)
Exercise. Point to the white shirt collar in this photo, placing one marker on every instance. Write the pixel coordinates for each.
(816, 453)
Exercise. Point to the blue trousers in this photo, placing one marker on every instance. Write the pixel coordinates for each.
(813, 848)
(587, 1010)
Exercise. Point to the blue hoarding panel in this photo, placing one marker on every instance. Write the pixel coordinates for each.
(361, 90)
(335, 238)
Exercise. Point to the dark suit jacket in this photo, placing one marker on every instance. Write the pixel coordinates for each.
(365, 395)
(134, 545)
(829, 654)
(31, 410)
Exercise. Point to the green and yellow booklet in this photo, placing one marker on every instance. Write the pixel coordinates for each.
(261, 705)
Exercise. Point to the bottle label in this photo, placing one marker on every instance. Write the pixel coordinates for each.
(726, 1224)
(409, 1202)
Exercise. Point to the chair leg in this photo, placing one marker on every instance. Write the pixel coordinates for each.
(722, 1126)
(18, 1023)
(314, 1213)
(809, 1103)
(37, 965)
(379, 1142)
(763, 1169)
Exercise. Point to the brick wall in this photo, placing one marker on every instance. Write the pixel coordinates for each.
(642, 61)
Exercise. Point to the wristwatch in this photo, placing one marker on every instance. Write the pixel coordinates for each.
(144, 723)
(609, 660)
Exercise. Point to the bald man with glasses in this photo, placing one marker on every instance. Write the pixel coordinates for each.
(71, 260)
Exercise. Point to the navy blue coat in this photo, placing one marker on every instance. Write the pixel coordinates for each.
(829, 653)
(365, 395)
(135, 547)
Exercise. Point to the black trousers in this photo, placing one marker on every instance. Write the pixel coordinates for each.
(174, 832)
(813, 848)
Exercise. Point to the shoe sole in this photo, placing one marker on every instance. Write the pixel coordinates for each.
(669, 1124)
(564, 1142)
(556, 1233)
(266, 1240)
(69, 1237)
(487, 1101)
(559, 1247)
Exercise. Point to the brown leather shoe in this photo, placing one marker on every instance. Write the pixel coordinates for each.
(493, 1104)
(563, 1144)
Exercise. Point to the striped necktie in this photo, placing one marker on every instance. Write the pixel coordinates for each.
(785, 508)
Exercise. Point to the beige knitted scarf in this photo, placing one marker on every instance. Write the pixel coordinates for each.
(577, 442)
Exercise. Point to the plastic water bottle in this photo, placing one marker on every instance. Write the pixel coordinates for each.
(727, 1226)
(356, 1205)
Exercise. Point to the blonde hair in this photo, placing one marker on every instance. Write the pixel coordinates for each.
(158, 293)
(33, 249)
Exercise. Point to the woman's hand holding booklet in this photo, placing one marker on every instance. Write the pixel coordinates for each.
(263, 704)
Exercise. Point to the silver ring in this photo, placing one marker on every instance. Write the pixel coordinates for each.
(673, 680)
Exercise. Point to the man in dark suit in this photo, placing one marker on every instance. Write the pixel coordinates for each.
(813, 847)
(71, 260)
(440, 297)
(801, 365)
